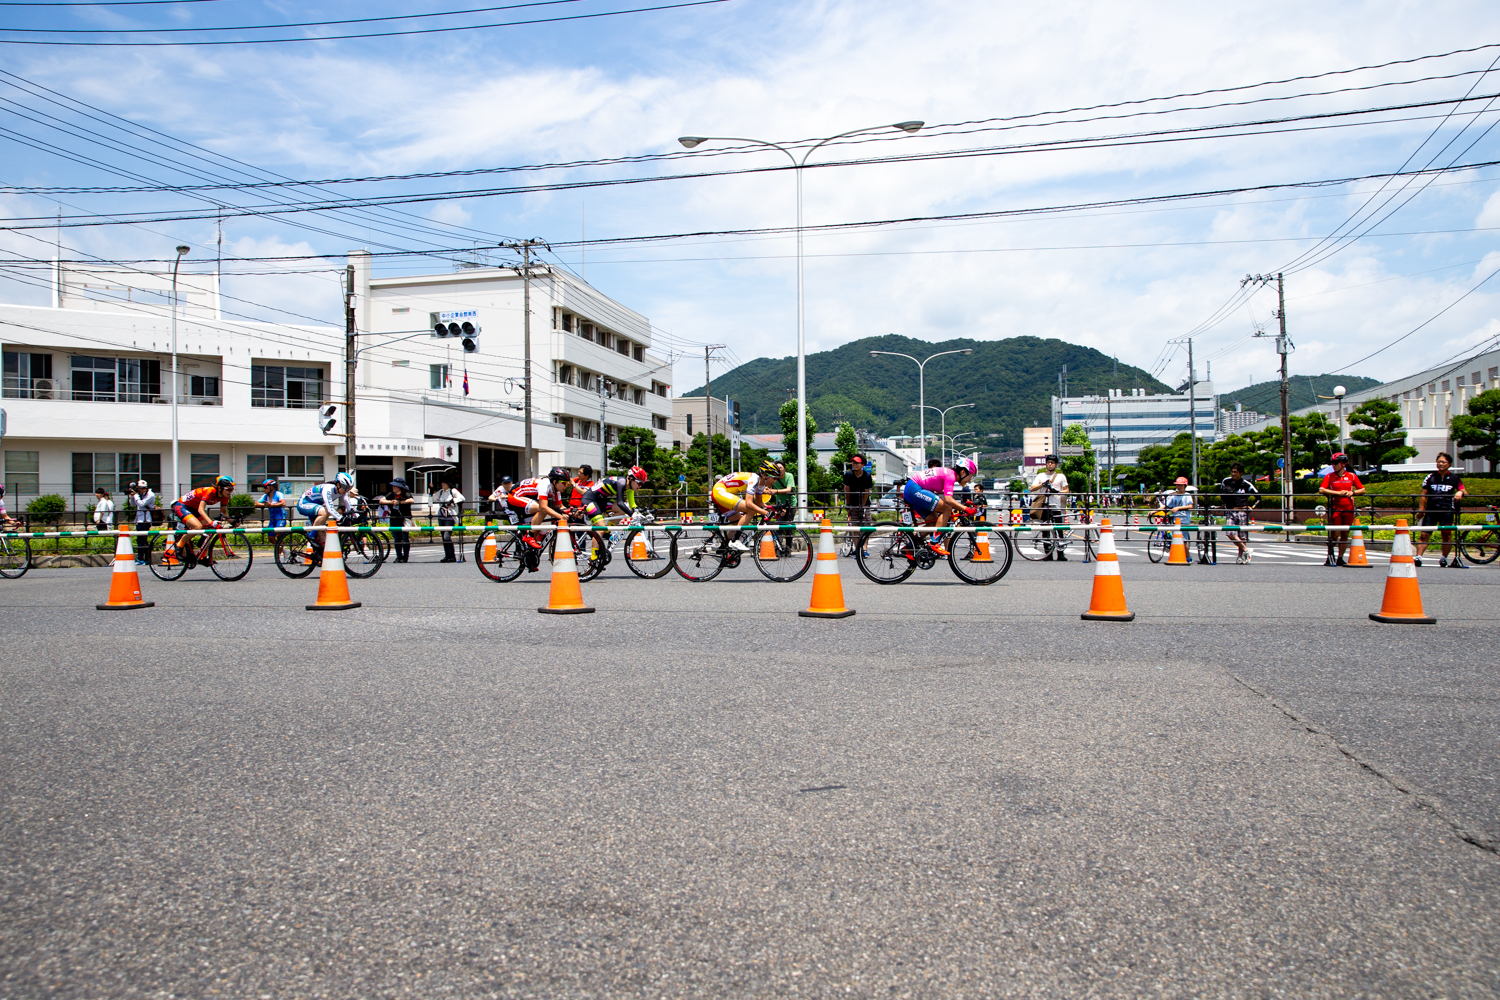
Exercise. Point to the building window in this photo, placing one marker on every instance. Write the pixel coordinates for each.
(204, 469)
(438, 376)
(638, 352)
(639, 395)
(286, 386)
(22, 473)
(1494, 374)
(285, 469)
(94, 380)
(658, 389)
(1460, 380)
(586, 331)
(623, 346)
(658, 422)
(95, 469)
(203, 385)
(1445, 385)
(565, 374)
(1475, 380)
(689, 425)
(567, 322)
(23, 371)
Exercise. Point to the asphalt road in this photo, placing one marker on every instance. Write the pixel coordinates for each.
(1251, 790)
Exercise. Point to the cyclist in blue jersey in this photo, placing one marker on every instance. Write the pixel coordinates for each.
(274, 502)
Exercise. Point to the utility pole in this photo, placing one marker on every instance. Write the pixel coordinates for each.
(603, 442)
(1193, 409)
(708, 411)
(1283, 347)
(524, 246)
(350, 364)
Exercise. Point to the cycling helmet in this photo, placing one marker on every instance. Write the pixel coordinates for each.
(1339, 456)
(268, 484)
(637, 473)
(558, 472)
(344, 479)
(768, 468)
(224, 483)
(966, 465)
(2, 489)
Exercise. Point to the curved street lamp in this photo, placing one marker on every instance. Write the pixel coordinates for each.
(943, 425)
(692, 142)
(922, 386)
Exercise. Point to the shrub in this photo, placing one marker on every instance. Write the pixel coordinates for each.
(47, 504)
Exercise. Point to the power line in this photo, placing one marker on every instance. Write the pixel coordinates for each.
(371, 34)
(291, 24)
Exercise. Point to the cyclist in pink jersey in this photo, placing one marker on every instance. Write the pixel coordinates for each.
(930, 492)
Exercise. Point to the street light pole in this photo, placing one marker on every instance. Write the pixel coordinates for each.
(943, 422)
(922, 387)
(691, 142)
(176, 477)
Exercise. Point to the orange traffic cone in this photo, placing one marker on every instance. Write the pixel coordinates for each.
(638, 550)
(169, 551)
(828, 589)
(1178, 555)
(333, 584)
(767, 546)
(489, 555)
(566, 596)
(124, 581)
(1403, 598)
(1108, 601)
(1357, 548)
(982, 548)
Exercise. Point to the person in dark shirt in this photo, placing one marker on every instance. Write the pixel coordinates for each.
(1239, 495)
(857, 486)
(398, 500)
(1442, 492)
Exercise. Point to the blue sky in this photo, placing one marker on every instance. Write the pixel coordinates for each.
(1125, 280)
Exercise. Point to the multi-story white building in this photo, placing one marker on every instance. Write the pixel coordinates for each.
(1130, 420)
(87, 383)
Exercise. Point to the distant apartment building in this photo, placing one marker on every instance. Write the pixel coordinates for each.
(1122, 422)
(1232, 421)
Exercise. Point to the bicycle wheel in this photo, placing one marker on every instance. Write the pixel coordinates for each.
(1158, 545)
(232, 556)
(783, 552)
(647, 561)
(295, 555)
(163, 559)
(1034, 545)
(503, 561)
(15, 557)
(697, 554)
(979, 557)
(887, 556)
(1477, 546)
(363, 555)
(590, 552)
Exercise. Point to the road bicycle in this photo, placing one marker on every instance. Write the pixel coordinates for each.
(300, 551)
(504, 553)
(780, 549)
(229, 556)
(15, 553)
(976, 554)
(1479, 546)
(1040, 541)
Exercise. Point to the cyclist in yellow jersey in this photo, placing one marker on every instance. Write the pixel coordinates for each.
(737, 496)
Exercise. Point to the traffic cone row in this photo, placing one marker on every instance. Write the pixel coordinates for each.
(124, 581)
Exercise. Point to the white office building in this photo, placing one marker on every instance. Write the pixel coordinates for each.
(1122, 422)
(87, 383)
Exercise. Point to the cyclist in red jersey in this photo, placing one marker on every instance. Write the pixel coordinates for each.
(1340, 486)
(192, 508)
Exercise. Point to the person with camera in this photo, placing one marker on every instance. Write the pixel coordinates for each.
(398, 500)
(142, 499)
(449, 504)
(1048, 487)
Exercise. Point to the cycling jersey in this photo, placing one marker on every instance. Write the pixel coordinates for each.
(1441, 489)
(1341, 481)
(940, 480)
(205, 495)
(730, 491)
(1237, 494)
(616, 490)
(275, 516)
(323, 497)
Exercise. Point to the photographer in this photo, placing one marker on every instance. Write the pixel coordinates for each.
(1048, 487)
(138, 496)
(450, 504)
(398, 501)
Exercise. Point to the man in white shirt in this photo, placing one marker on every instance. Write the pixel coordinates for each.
(450, 504)
(1048, 487)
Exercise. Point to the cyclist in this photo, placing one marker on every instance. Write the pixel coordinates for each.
(326, 500)
(617, 492)
(192, 507)
(274, 502)
(930, 495)
(541, 499)
(738, 495)
(5, 519)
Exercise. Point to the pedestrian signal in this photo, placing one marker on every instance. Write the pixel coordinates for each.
(327, 417)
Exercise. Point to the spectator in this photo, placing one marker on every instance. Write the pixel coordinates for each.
(450, 504)
(1049, 486)
(139, 496)
(1179, 503)
(8, 522)
(584, 479)
(1239, 495)
(784, 483)
(1340, 487)
(104, 510)
(499, 498)
(857, 486)
(1442, 492)
(933, 463)
(273, 501)
(398, 501)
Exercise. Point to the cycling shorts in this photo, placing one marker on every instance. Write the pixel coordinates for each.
(181, 510)
(923, 502)
(1340, 517)
(310, 509)
(1434, 518)
(724, 499)
(521, 504)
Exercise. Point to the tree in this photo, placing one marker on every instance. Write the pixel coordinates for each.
(1479, 429)
(1314, 440)
(1379, 433)
(1161, 464)
(1078, 468)
(846, 446)
(788, 415)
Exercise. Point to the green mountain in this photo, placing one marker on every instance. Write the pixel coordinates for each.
(1302, 390)
(1011, 383)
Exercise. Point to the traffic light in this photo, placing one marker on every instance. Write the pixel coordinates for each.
(328, 415)
(469, 337)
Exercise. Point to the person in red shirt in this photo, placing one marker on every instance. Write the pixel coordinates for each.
(1340, 486)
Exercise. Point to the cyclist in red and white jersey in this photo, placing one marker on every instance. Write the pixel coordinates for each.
(542, 498)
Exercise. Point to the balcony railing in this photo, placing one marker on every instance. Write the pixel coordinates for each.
(55, 390)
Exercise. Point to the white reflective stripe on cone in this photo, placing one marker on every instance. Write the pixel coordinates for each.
(1107, 567)
(1403, 567)
(1402, 545)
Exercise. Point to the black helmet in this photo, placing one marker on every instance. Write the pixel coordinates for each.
(558, 472)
